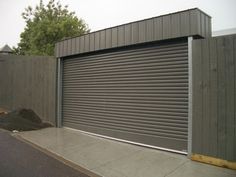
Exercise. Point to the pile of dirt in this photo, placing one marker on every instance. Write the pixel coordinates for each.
(22, 120)
(3, 111)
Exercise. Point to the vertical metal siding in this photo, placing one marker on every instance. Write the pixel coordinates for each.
(97, 41)
(86, 43)
(142, 31)
(128, 36)
(136, 94)
(158, 28)
(175, 25)
(77, 49)
(73, 46)
(102, 40)
(108, 38)
(191, 22)
(184, 23)
(149, 30)
(166, 27)
(214, 100)
(114, 38)
(92, 42)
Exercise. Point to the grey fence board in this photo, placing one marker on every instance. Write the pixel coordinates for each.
(222, 100)
(234, 48)
(230, 91)
(29, 82)
(214, 102)
(213, 97)
(192, 22)
(197, 97)
(206, 94)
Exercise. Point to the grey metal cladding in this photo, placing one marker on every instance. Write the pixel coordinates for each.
(81, 49)
(73, 46)
(128, 36)
(61, 50)
(69, 46)
(97, 41)
(175, 25)
(190, 22)
(108, 38)
(158, 28)
(142, 31)
(184, 23)
(91, 42)
(149, 30)
(203, 25)
(57, 49)
(134, 33)
(86, 43)
(103, 39)
(77, 41)
(214, 98)
(138, 94)
(166, 27)
(114, 37)
(121, 35)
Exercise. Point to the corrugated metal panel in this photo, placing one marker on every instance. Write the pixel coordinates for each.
(191, 22)
(149, 30)
(166, 28)
(73, 47)
(138, 94)
(158, 26)
(214, 98)
(184, 23)
(92, 42)
(175, 25)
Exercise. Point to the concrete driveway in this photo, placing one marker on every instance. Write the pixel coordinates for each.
(115, 159)
(19, 159)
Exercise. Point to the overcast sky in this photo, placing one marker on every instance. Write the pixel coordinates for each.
(99, 14)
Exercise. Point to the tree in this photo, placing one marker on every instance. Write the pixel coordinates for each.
(45, 25)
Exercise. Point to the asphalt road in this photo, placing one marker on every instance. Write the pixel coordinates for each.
(19, 159)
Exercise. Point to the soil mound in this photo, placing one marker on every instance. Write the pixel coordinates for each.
(22, 120)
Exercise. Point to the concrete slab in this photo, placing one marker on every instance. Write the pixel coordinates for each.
(115, 159)
(197, 169)
(148, 163)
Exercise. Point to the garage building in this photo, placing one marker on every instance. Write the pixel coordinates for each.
(133, 82)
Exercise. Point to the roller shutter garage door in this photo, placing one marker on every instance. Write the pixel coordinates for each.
(138, 94)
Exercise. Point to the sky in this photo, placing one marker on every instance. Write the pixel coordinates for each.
(100, 14)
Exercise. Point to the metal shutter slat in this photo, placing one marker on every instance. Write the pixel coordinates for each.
(138, 94)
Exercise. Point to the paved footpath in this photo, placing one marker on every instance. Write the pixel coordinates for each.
(19, 159)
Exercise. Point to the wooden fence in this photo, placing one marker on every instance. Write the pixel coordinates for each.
(29, 82)
(214, 97)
